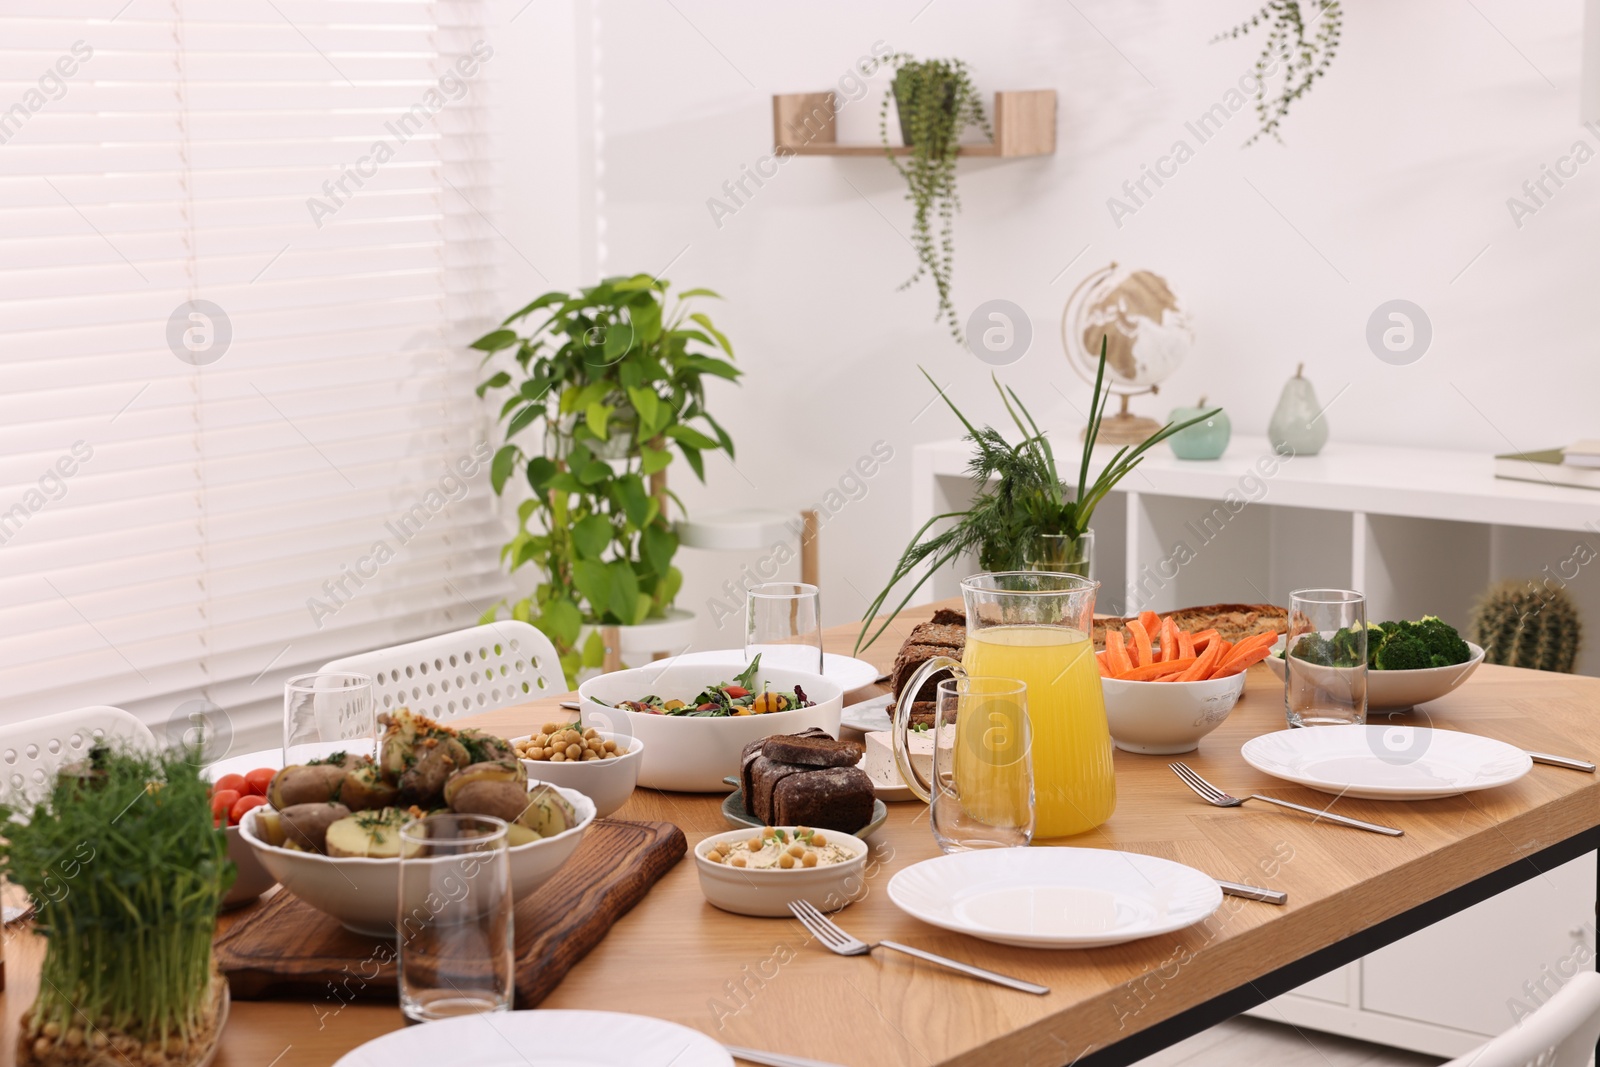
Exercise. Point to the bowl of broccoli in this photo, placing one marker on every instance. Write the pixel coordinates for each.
(1408, 663)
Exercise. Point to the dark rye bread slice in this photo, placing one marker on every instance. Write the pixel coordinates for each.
(813, 748)
(765, 776)
(949, 617)
(926, 641)
(747, 759)
(832, 798)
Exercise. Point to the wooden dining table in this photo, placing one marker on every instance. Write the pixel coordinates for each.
(763, 983)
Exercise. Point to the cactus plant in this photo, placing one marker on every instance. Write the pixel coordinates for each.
(1528, 624)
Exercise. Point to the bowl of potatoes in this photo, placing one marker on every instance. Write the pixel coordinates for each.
(331, 829)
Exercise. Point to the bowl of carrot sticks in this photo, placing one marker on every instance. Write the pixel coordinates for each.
(1166, 688)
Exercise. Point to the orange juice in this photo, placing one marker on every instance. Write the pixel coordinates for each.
(1072, 774)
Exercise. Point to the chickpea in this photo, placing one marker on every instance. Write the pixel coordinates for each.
(558, 757)
(549, 728)
(41, 1047)
(573, 751)
(715, 856)
(587, 756)
(610, 746)
(590, 734)
(786, 861)
(75, 1037)
(755, 844)
(52, 1029)
(737, 861)
(767, 831)
(98, 1040)
(796, 850)
(809, 860)
(818, 841)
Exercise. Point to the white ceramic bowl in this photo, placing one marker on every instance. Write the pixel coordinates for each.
(364, 894)
(766, 894)
(607, 782)
(1165, 718)
(691, 755)
(1401, 690)
(253, 879)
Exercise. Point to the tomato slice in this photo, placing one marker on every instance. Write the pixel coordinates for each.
(736, 691)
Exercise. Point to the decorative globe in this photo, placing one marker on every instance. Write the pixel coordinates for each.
(1146, 329)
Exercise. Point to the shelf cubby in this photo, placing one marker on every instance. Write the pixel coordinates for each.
(1024, 125)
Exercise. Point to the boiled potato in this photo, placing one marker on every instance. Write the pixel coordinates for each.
(305, 784)
(365, 789)
(371, 834)
(506, 770)
(497, 797)
(548, 813)
(486, 747)
(269, 824)
(517, 834)
(435, 759)
(306, 825)
(402, 731)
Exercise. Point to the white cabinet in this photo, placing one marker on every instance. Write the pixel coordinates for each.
(1443, 990)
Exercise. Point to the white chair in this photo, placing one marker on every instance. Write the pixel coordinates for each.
(31, 751)
(461, 673)
(1561, 1033)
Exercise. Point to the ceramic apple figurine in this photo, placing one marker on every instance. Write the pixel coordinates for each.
(1203, 440)
(1298, 426)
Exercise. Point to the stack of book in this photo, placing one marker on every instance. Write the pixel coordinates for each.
(1578, 464)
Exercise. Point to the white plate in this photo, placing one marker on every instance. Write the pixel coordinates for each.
(892, 793)
(1055, 897)
(869, 715)
(1386, 762)
(542, 1039)
(849, 673)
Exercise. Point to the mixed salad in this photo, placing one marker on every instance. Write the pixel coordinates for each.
(725, 699)
(1390, 646)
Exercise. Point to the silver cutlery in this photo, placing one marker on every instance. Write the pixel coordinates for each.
(774, 1059)
(1212, 795)
(836, 940)
(572, 705)
(1563, 761)
(1253, 892)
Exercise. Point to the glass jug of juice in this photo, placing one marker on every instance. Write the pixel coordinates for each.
(1035, 627)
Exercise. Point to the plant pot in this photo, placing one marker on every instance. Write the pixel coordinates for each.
(201, 1051)
(1062, 554)
(902, 98)
(634, 646)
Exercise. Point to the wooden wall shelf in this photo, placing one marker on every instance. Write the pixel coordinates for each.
(1024, 125)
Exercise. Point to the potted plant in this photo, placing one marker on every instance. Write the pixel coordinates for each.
(936, 101)
(1019, 523)
(1305, 57)
(127, 871)
(612, 382)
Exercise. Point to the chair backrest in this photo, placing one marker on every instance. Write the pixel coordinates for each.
(460, 673)
(1560, 1033)
(31, 751)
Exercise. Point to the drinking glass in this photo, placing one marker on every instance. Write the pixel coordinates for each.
(982, 765)
(1325, 658)
(324, 713)
(1062, 554)
(454, 930)
(783, 623)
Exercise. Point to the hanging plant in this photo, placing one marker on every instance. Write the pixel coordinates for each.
(1304, 46)
(936, 102)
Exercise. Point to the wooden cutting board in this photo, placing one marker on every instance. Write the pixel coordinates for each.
(288, 948)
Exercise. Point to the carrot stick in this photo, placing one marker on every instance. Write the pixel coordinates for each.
(1248, 651)
(1140, 639)
(1235, 664)
(1117, 654)
(1100, 661)
(1204, 665)
(1151, 623)
(1205, 638)
(1169, 640)
(1158, 671)
(1186, 649)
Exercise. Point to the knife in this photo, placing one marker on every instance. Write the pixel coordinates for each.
(1253, 892)
(1563, 761)
(773, 1059)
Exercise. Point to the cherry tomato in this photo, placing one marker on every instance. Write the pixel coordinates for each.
(234, 782)
(259, 779)
(709, 705)
(736, 691)
(221, 801)
(242, 805)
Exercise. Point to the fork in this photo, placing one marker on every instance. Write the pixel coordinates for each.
(1212, 795)
(832, 938)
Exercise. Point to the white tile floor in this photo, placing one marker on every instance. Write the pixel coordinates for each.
(1244, 1040)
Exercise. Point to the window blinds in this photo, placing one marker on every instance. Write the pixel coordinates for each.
(241, 248)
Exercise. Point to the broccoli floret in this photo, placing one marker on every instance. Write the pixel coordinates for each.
(1444, 643)
(1314, 648)
(1403, 652)
(1349, 649)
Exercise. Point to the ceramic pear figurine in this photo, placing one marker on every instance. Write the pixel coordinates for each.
(1203, 440)
(1296, 427)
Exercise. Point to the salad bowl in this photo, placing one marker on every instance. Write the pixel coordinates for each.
(692, 754)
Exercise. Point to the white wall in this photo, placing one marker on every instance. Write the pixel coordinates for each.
(1393, 183)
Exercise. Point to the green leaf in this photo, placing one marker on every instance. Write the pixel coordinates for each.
(635, 500)
(564, 482)
(645, 314)
(692, 456)
(500, 469)
(648, 405)
(612, 589)
(594, 652)
(670, 586)
(541, 470)
(687, 435)
(494, 381)
(521, 419)
(705, 321)
(591, 536)
(718, 367)
(688, 294)
(597, 415)
(542, 302)
(561, 621)
(595, 472)
(722, 435)
(634, 284)
(620, 338)
(658, 545)
(653, 459)
(495, 340)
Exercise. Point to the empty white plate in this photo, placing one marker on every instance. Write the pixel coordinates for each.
(850, 673)
(1386, 762)
(542, 1039)
(1051, 897)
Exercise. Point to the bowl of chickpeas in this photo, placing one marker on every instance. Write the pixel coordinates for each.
(601, 765)
(759, 870)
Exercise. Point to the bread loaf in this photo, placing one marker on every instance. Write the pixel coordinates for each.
(813, 748)
(831, 798)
